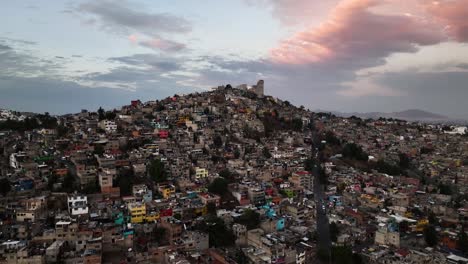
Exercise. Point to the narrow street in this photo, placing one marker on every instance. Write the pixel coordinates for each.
(323, 228)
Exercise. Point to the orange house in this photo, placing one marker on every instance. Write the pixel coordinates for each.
(450, 241)
(61, 172)
(135, 133)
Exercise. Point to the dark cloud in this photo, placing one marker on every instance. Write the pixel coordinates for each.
(122, 74)
(157, 62)
(163, 44)
(4, 47)
(42, 94)
(17, 42)
(441, 92)
(14, 62)
(121, 16)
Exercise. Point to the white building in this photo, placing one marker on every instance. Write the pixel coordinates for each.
(458, 130)
(108, 125)
(16, 158)
(77, 205)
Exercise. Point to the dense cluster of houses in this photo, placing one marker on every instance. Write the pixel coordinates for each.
(220, 177)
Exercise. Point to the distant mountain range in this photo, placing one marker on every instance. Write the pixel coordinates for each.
(409, 115)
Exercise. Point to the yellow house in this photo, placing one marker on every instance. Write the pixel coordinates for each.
(421, 225)
(202, 210)
(167, 190)
(137, 212)
(152, 217)
(201, 173)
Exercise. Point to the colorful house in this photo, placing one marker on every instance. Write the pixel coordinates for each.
(137, 212)
(163, 134)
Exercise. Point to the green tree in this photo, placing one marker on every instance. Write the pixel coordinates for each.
(177, 216)
(426, 150)
(225, 173)
(296, 124)
(237, 153)
(218, 186)
(462, 242)
(101, 113)
(51, 181)
(334, 232)
(387, 168)
(309, 164)
(98, 149)
(430, 236)
(344, 255)
(92, 187)
(331, 139)
(353, 151)
(5, 186)
(404, 161)
(159, 235)
(219, 234)
(432, 219)
(124, 182)
(211, 208)
(266, 153)
(218, 141)
(110, 115)
(68, 183)
(240, 257)
(157, 171)
(249, 218)
(445, 189)
(62, 130)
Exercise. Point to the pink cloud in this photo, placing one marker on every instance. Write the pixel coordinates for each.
(298, 11)
(453, 14)
(354, 34)
(162, 44)
(133, 38)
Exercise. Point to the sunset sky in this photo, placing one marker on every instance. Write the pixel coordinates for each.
(343, 55)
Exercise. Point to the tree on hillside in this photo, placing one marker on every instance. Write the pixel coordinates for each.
(387, 168)
(309, 164)
(353, 151)
(331, 139)
(98, 150)
(101, 113)
(296, 124)
(5, 186)
(156, 171)
(124, 181)
(404, 161)
(266, 153)
(219, 235)
(462, 242)
(430, 236)
(111, 115)
(334, 232)
(250, 218)
(218, 141)
(218, 186)
(159, 235)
